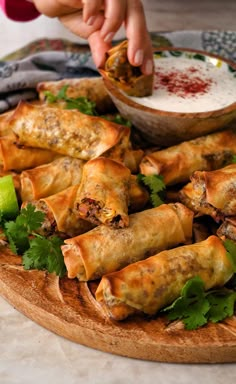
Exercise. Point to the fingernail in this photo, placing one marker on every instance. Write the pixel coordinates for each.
(149, 67)
(138, 58)
(108, 38)
(91, 20)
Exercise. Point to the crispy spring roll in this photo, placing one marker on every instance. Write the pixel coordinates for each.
(4, 128)
(68, 132)
(138, 195)
(19, 158)
(103, 249)
(125, 76)
(177, 163)
(228, 228)
(103, 194)
(149, 285)
(212, 193)
(50, 178)
(91, 88)
(132, 159)
(60, 215)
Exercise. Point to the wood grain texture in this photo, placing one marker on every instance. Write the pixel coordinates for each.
(68, 308)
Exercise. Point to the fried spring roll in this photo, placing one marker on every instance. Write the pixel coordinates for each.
(60, 215)
(91, 88)
(103, 194)
(212, 193)
(149, 285)
(228, 228)
(125, 76)
(177, 163)
(68, 132)
(18, 158)
(103, 249)
(138, 195)
(50, 178)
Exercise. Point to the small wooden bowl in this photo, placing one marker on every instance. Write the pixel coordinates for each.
(166, 127)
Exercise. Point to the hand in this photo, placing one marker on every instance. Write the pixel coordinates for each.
(98, 21)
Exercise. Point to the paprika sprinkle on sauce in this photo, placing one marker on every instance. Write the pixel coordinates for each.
(183, 84)
(189, 85)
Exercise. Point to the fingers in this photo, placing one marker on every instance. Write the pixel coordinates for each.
(57, 8)
(98, 48)
(90, 9)
(114, 13)
(140, 47)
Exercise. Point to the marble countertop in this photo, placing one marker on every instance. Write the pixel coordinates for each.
(31, 354)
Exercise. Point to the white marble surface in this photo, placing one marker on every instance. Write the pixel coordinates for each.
(29, 354)
(32, 355)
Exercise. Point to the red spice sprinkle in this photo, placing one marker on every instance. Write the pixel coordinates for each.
(183, 84)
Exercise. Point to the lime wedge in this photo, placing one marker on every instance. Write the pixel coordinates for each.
(8, 200)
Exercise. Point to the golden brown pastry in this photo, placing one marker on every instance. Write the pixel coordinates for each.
(177, 163)
(151, 284)
(103, 194)
(212, 192)
(91, 88)
(18, 158)
(60, 215)
(228, 228)
(103, 249)
(50, 178)
(68, 132)
(124, 75)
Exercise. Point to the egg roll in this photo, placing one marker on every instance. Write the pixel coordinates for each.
(19, 158)
(50, 178)
(228, 228)
(68, 132)
(103, 249)
(212, 193)
(154, 283)
(60, 216)
(103, 194)
(177, 163)
(125, 76)
(91, 88)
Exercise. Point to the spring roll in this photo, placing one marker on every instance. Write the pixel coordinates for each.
(152, 284)
(212, 193)
(103, 194)
(50, 178)
(228, 228)
(60, 216)
(125, 76)
(19, 158)
(177, 163)
(68, 132)
(138, 195)
(91, 88)
(103, 249)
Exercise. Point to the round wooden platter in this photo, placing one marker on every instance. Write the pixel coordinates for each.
(68, 308)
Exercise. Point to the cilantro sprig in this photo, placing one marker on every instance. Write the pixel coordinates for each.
(195, 307)
(37, 252)
(156, 187)
(81, 103)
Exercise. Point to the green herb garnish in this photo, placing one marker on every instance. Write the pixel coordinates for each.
(80, 103)
(37, 252)
(195, 307)
(156, 187)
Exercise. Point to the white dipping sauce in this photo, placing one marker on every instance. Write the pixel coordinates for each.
(189, 85)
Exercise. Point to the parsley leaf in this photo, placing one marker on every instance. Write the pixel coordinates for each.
(230, 247)
(45, 254)
(37, 251)
(195, 307)
(81, 103)
(155, 185)
(118, 119)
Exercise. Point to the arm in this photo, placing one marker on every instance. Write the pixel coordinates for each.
(99, 20)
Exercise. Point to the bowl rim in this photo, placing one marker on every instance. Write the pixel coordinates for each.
(113, 89)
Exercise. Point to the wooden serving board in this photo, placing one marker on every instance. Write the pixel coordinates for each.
(68, 308)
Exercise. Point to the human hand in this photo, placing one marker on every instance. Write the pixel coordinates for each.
(98, 21)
